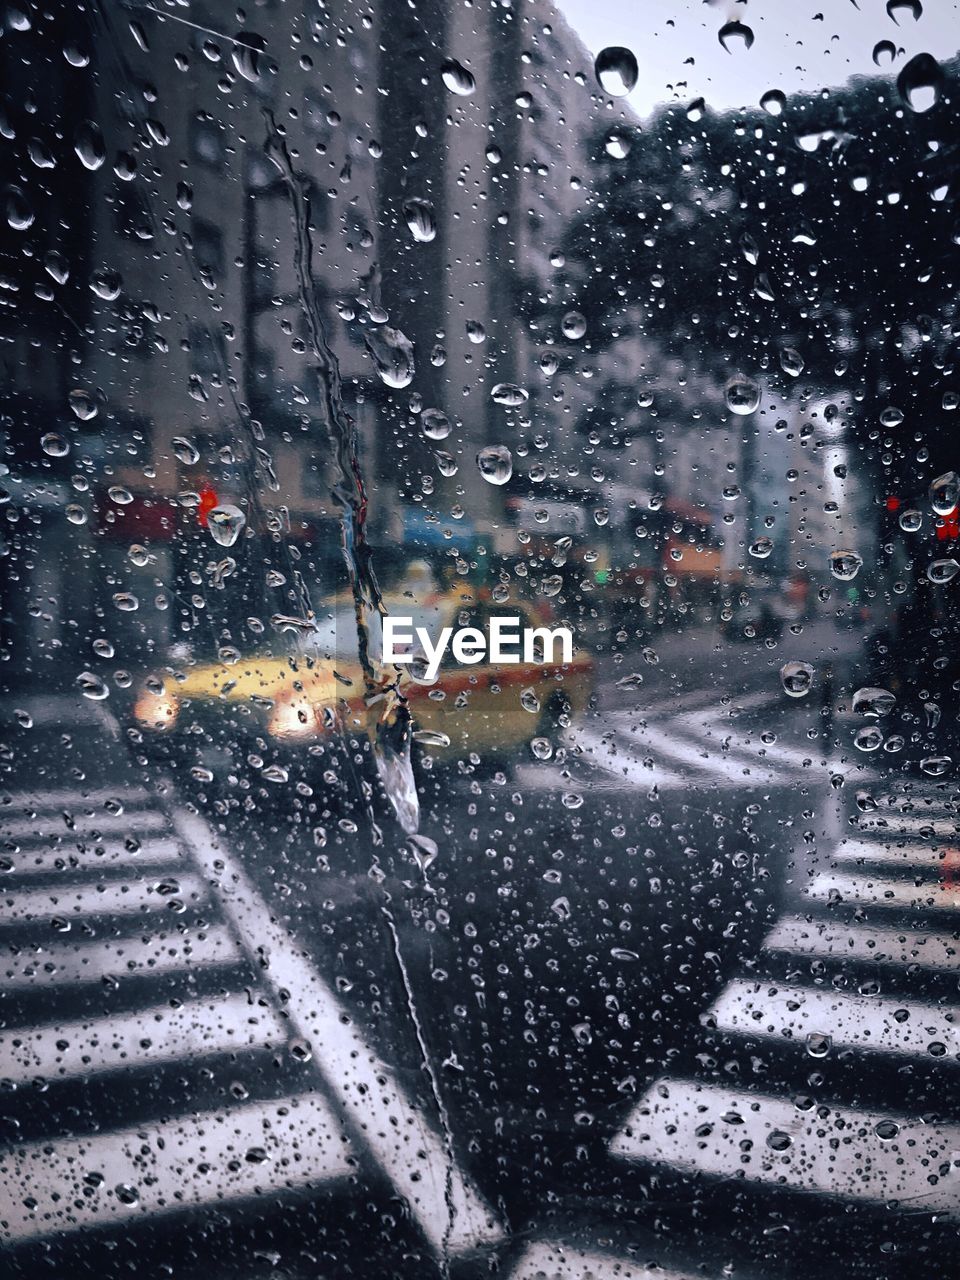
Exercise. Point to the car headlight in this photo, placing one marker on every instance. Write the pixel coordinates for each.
(156, 711)
(293, 719)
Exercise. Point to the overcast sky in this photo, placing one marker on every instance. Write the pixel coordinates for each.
(793, 47)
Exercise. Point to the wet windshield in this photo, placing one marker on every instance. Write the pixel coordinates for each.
(479, 651)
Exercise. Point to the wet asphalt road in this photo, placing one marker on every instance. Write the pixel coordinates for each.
(451, 1068)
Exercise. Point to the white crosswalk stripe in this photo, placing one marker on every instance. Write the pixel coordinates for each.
(41, 859)
(825, 1147)
(49, 824)
(793, 1012)
(147, 1037)
(70, 798)
(549, 1261)
(210, 1158)
(827, 940)
(111, 897)
(764, 1138)
(883, 891)
(912, 823)
(906, 856)
(68, 964)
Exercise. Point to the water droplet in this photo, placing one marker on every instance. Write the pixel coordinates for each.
(868, 739)
(696, 109)
(83, 404)
(56, 266)
(541, 748)
(616, 70)
(735, 35)
(936, 766)
(225, 523)
(773, 102)
(742, 395)
(574, 325)
(791, 362)
(777, 1140)
(495, 463)
(873, 702)
(549, 363)
(911, 520)
(55, 445)
(796, 678)
(185, 450)
(617, 144)
(529, 701)
(431, 738)
(886, 1130)
(126, 601)
(88, 144)
(509, 394)
(446, 463)
(106, 285)
(121, 496)
(900, 8)
(552, 585)
(761, 548)
(92, 687)
(457, 78)
(920, 83)
(19, 214)
(941, 571)
(420, 219)
(76, 514)
(245, 54)
(891, 416)
(76, 56)
(392, 352)
(126, 1194)
(884, 52)
(944, 493)
(845, 565)
(818, 1045)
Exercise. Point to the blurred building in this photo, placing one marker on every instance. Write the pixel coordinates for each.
(437, 154)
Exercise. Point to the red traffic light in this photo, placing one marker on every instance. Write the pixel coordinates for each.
(208, 500)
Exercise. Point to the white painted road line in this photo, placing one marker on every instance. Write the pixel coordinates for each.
(882, 891)
(111, 1179)
(78, 797)
(921, 855)
(834, 1151)
(909, 824)
(407, 1148)
(790, 1012)
(90, 856)
(548, 1261)
(725, 768)
(103, 898)
(149, 1036)
(880, 945)
(50, 825)
(624, 767)
(63, 964)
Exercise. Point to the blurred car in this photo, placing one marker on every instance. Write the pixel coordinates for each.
(273, 707)
(756, 614)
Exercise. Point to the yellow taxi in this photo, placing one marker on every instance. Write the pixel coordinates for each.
(275, 700)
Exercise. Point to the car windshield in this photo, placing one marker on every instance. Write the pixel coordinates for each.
(348, 931)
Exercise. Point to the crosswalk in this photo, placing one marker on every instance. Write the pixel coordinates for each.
(132, 940)
(695, 741)
(843, 985)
